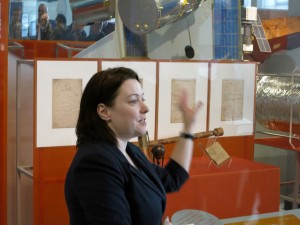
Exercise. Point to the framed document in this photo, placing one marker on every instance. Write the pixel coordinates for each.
(147, 73)
(59, 86)
(173, 78)
(232, 96)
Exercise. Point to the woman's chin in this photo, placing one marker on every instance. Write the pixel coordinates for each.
(141, 133)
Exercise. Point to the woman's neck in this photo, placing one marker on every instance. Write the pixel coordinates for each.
(122, 145)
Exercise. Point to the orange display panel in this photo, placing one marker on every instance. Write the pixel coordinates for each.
(242, 188)
(51, 49)
(3, 109)
(50, 168)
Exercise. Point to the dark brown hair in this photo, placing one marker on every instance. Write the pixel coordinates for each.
(103, 87)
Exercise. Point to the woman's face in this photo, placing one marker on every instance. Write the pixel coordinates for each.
(128, 114)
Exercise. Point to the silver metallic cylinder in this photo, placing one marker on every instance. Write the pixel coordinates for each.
(145, 16)
(278, 102)
(87, 12)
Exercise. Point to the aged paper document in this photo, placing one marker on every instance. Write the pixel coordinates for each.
(66, 95)
(177, 87)
(232, 100)
(217, 153)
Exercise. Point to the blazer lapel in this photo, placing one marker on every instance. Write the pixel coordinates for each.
(150, 179)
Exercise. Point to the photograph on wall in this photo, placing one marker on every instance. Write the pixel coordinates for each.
(173, 78)
(146, 71)
(232, 96)
(59, 86)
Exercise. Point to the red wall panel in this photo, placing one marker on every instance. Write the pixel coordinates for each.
(3, 108)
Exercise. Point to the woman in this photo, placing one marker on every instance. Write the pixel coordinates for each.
(110, 181)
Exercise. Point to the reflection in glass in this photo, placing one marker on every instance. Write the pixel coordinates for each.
(51, 20)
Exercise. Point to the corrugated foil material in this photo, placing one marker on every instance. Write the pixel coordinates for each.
(278, 102)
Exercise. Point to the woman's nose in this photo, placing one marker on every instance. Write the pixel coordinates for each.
(144, 108)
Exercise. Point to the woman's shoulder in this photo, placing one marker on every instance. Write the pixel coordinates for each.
(99, 157)
(99, 152)
(97, 149)
(99, 160)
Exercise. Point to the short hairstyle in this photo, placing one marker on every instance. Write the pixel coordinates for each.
(45, 16)
(103, 87)
(43, 8)
(60, 18)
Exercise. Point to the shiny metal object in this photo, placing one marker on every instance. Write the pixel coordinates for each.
(278, 102)
(145, 16)
(87, 12)
(144, 143)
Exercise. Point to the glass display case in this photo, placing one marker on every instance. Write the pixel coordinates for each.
(58, 23)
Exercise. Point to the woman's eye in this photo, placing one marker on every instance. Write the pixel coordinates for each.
(133, 101)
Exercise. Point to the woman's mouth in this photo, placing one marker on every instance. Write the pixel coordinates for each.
(143, 121)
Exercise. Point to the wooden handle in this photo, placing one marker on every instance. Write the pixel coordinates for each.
(216, 132)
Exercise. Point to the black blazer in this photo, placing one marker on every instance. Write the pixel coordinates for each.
(103, 188)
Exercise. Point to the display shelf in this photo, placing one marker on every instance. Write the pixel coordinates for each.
(280, 142)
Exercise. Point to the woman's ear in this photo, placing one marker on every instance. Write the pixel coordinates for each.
(103, 112)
